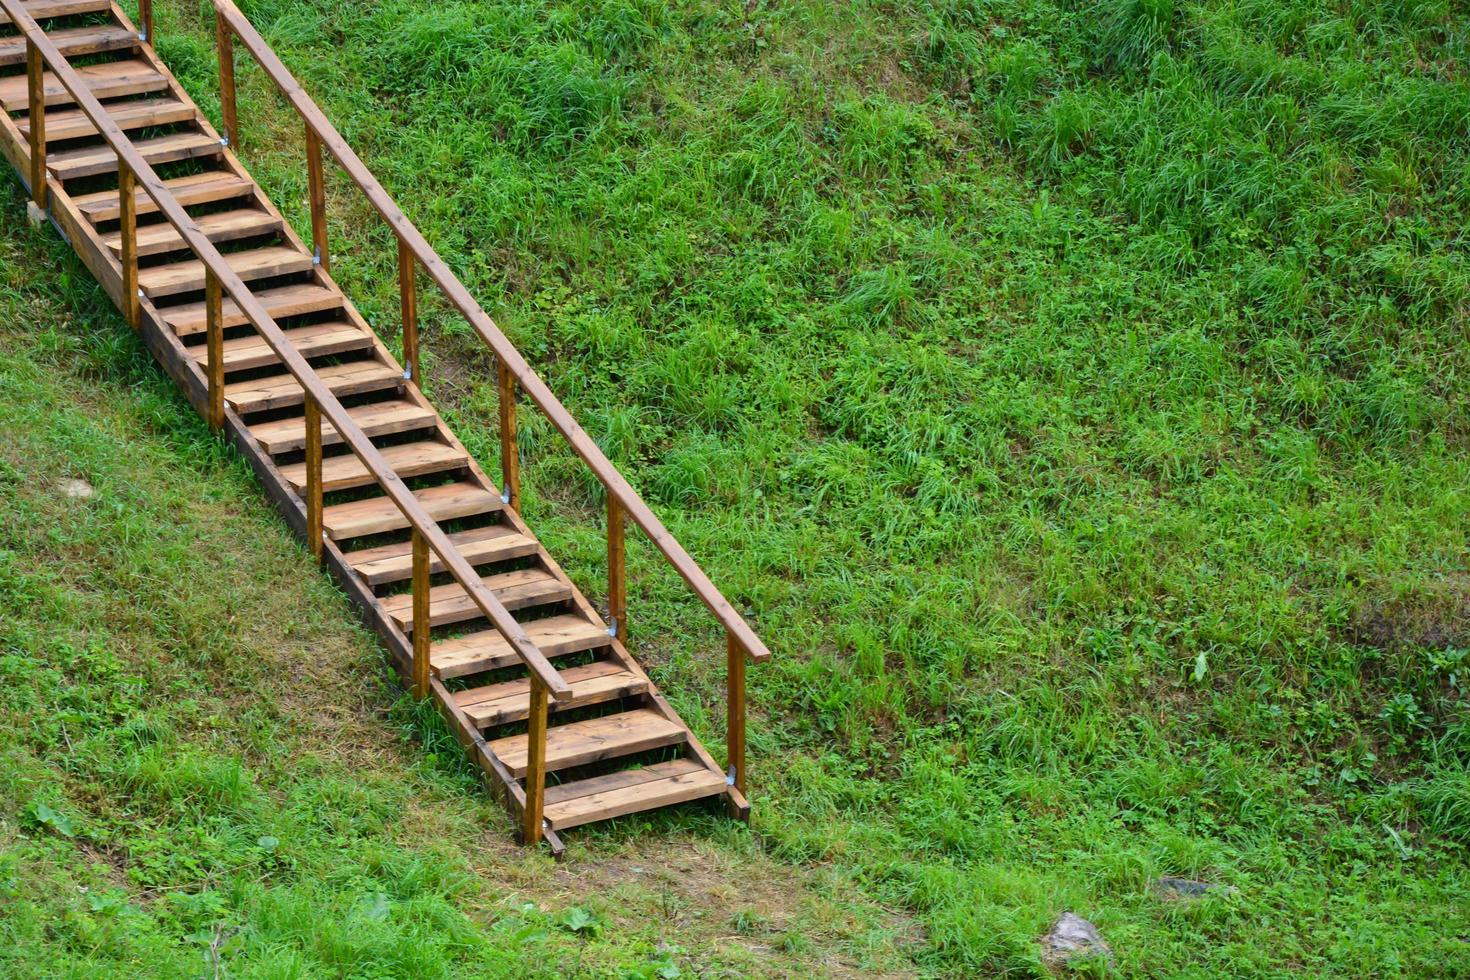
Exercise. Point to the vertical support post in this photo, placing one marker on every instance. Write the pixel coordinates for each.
(145, 14)
(510, 453)
(317, 188)
(224, 43)
(408, 302)
(314, 476)
(735, 708)
(535, 765)
(421, 628)
(215, 338)
(127, 202)
(35, 90)
(617, 570)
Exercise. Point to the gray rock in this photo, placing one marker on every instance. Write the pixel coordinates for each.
(76, 489)
(1070, 938)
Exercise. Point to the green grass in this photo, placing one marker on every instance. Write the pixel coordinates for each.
(1072, 394)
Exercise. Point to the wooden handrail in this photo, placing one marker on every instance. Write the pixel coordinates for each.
(618, 488)
(312, 385)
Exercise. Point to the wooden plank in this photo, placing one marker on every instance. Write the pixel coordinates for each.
(206, 188)
(594, 683)
(409, 459)
(73, 42)
(188, 276)
(450, 604)
(554, 636)
(43, 9)
(283, 391)
(316, 340)
(646, 795)
(479, 546)
(621, 779)
(71, 124)
(223, 226)
(111, 80)
(296, 299)
(93, 161)
(377, 419)
(378, 514)
(608, 737)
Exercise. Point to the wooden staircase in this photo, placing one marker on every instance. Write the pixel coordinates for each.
(246, 317)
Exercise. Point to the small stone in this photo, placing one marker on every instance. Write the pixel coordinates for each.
(76, 489)
(1070, 938)
(1175, 888)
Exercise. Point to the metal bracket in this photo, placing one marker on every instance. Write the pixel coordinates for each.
(612, 629)
(730, 777)
(316, 256)
(505, 496)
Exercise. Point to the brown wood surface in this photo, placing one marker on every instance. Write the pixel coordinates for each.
(127, 236)
(507, 701)
(388, 563)
(92, 161)
(284, 391)
(581, 742)
(346, 471)
(225, 47)
(316, 193)
(34, 80)
(316, 340)
(312, 466)
(617, 571)
(448, 603)
(555, 636)
(510, 450)
(73, 42)
(408, 308)
(220, 226)
(281, 301)
(735, 711)
(188, 191)
(42, 9)
(376, 419)
(215, 343)
(537, 750)
(379, 514)
(645, 794)
(187, 276)
(420, 616)
(72, 124)
(110, 80)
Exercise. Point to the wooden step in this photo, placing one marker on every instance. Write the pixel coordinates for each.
(608, 737)
(618, 794)
(222, 226)
(206, 188)
(478, 546)
(554, 636)
(92, 161)
(71, 124)
(73, 42)
(296, 299)
(499, 704)
(376, 419)
(283, 390)
(42, 9)
(187, 276)
(409, 459)
(378, 514)
(450, 603)
(317, 340)
(111, 80)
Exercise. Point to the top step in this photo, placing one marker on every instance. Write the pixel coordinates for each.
(44, 9)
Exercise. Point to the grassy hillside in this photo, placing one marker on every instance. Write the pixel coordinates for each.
(1073, 393)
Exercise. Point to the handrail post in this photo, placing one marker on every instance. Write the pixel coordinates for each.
(35, 92)
(317, 190)
(510, 453)
(735, 712)
(421, 627)
(408, 304)
(225, 46)
(127, 203)
(617, 570)
(314, 476)
(145, 14)
(535, 765)
(215, 338)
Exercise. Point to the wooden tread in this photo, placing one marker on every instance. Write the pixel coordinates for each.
(111, 80)
(478, 546)
(73, 42)
(450, 603)
(297, 299)
(377, 419)
(594, 683)
(608, 737)
(92, 161)
(283, 390)
(617, 794)
(347, 471)
(71, 124)
(223, 226)
(316, 340)
(43, 9)
(206, 188)
(378, 514)
(187, 276)
(554, 636)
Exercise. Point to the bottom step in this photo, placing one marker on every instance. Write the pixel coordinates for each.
(630, 791)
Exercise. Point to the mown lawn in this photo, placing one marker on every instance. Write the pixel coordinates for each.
(1072, 393)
